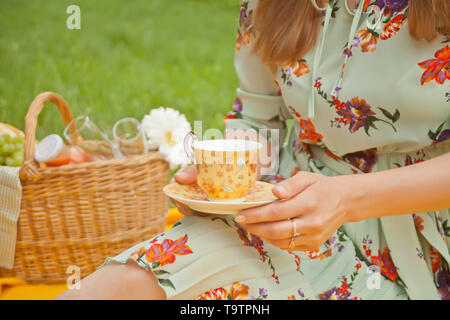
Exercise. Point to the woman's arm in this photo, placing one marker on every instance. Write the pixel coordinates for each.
(421, 187)
(319, 204)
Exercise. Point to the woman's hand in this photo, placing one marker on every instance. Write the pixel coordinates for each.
(317, 204)
(186, 175)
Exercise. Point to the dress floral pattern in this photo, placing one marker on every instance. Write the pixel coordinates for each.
(356, 113)
(381, 102)
(393, 17)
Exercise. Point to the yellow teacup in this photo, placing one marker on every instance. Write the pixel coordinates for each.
(226, 168)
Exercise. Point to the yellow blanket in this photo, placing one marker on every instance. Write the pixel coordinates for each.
(17, 289)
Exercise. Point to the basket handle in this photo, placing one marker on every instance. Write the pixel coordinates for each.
(29, 168)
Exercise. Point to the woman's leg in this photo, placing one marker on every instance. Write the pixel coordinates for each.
(117, 281)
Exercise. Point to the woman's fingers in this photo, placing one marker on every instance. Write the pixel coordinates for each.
(185, 210)
(294, 185)
(280, 234)
(275, 211)
(278, 230)
(186, 175)
(301, 243)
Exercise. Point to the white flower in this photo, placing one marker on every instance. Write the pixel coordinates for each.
(165, 129)
(176, 156)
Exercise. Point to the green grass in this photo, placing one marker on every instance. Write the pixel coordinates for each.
(128, 57)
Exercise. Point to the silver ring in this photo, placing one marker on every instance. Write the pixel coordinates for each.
(295, 236)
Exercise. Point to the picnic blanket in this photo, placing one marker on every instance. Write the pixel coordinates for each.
(10, 197)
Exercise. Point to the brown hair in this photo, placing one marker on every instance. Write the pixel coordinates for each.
(287, 29)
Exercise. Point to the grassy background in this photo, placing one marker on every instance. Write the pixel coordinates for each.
(128, 57)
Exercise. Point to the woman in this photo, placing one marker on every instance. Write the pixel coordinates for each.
(365, 175)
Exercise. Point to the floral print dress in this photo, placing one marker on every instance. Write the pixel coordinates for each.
(367, 98)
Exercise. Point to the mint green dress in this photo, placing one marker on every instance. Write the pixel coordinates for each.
(367, 98)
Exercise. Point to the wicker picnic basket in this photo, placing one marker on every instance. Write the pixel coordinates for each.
(79, 214)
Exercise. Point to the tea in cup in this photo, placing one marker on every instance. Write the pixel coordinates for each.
(226, 168)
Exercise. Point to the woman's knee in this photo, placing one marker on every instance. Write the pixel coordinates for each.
(117, 281)
(141, 282)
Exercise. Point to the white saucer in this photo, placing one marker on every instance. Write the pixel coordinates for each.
(194, 197)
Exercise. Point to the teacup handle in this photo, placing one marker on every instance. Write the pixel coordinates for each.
(189, 139)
